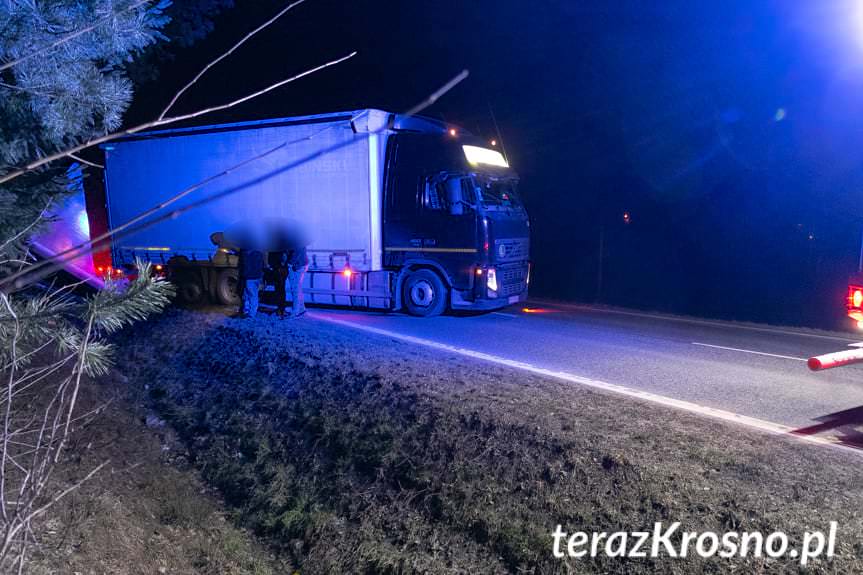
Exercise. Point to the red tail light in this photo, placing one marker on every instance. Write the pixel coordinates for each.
(854, 304)
(855, 297)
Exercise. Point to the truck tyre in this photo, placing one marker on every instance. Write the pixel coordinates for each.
(424, 293)
(189, 288)
(228, 287)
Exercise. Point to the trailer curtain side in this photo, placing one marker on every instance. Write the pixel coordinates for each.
(336, 196)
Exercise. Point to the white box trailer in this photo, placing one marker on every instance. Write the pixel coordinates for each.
(338, 195)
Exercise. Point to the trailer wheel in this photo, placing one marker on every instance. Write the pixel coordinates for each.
(228, 287)
(424, 294)
(189, 288)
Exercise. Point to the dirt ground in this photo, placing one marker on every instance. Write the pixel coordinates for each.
(147, 512)
(353, 453)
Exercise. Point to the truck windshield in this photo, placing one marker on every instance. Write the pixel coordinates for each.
(497, 193)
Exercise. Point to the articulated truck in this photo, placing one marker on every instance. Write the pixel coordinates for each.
(402, 212)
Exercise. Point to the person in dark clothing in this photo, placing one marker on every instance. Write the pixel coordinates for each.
(251, 271)
(279, 264)
(298, 264)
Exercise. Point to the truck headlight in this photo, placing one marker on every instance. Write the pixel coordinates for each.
(491, 280)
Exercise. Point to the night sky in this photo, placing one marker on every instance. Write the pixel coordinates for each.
(729, 131)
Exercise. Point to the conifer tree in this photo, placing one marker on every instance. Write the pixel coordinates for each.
(62, 81)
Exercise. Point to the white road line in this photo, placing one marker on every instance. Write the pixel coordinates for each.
(751, 422)
(749, 351)
(504, 314)
(695, 321)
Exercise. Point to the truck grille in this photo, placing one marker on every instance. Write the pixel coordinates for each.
(512, 280)
(515, 249)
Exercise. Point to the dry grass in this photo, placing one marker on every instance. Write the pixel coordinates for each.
(147, 513)
(356, 454)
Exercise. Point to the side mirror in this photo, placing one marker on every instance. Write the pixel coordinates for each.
(454, 198)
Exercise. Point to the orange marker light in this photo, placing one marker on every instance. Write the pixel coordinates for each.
(452, 132)
(857, 298)
(347, 272)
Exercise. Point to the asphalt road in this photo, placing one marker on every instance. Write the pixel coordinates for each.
(754, 371)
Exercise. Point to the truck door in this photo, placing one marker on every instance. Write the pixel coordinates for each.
(432, 217)
(447, 225)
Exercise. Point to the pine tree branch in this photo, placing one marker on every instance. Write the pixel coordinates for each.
(72, 36)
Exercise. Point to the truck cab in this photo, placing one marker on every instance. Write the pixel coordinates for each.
(451, 206)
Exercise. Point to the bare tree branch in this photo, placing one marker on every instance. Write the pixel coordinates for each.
(157, 123)
(32, 515)
(7, 414)
(436, 95)
(254, 95)
(88, 162)
(29, 227)
(224, 55)
(79, 371)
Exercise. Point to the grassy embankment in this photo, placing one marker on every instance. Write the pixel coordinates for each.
(357, 454)
(148, 511)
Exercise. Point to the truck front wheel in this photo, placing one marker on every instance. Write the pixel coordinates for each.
(424, 293)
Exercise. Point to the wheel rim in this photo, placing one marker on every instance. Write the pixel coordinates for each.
(232, 286)
(191, 292)
(422, 293)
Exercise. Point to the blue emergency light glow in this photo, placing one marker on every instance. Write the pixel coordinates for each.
(83, 223)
